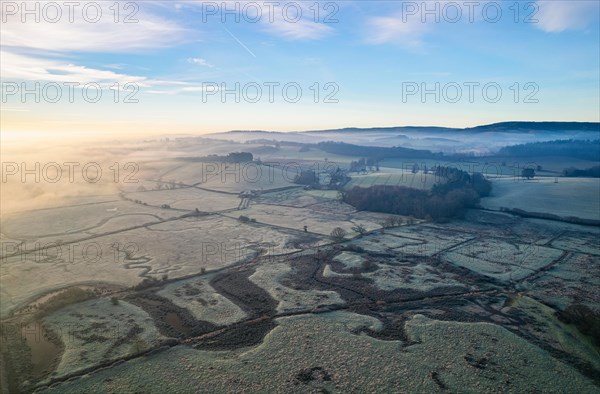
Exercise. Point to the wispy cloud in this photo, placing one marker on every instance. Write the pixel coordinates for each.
(559, 15)
(114, 66)
(394, 30)
(308, 27)
(22, 68)
(44, 51)
(200, 62)
(150, 31)
(30, 68)
(290, 20)
(209, 88)
(301, 30)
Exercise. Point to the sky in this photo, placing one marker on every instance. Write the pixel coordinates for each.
(196, 67)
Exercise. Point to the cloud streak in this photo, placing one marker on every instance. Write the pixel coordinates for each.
(557, 15)
(200, 62)
(392, 29)
(150, 31)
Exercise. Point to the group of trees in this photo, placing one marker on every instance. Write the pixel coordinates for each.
(338, 178)
(415, 168)
(307, 178)
(246, 219)
(338, 234)
(364, 165)
(446, 200)
(528, 173)
(454, 179)
(592, 172)
(581, 149)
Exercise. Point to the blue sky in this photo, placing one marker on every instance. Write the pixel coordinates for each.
(545, 61)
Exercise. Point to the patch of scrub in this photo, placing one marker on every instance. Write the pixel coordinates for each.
(99, 330)
(268, 276)
(203, 302)
(325, 352)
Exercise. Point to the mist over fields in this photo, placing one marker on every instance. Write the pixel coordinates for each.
(299, 197)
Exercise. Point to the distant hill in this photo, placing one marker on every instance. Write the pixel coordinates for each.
(479, 140)
(537, 126)
(503, 127)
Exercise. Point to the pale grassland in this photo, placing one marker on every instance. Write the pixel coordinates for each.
(319, 218)
(298, 197)
(587, 242)
(419, 180)
(561, 336)
(577, 197)
(374, 220)
(502, 260)
(382, 243)
(66, 223)
(427, 241)
(59, 202)
(353, 363)
(574, 281)
(97, 330)
(25, 277)
(296, 218)
(232, 177)
(204, 303)
(188, 198)
(269, 275)
(177, 249)
(350, 259)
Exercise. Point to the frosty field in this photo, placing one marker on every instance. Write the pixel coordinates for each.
(194, 281)
(569, 197)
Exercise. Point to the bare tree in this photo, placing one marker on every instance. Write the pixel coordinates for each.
(359, 228)
(338, 234)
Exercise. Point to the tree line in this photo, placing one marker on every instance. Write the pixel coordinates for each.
(581, 149)
(592, 172)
